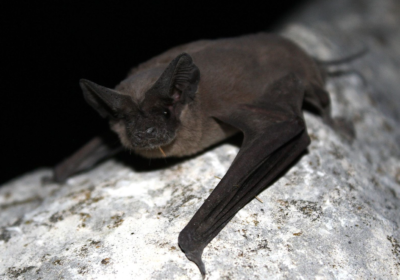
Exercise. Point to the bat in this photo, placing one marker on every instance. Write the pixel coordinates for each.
(198, 94)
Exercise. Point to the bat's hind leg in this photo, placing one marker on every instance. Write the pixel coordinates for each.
(317, 100)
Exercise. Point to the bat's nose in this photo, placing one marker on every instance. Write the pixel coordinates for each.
(144, 138)
(150, 130)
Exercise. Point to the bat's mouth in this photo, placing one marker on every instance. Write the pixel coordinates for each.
(146, 142)
(154, 151)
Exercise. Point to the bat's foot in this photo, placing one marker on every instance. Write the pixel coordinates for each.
(192, 249)
(47, 180)
(345, 128)
(58, 177)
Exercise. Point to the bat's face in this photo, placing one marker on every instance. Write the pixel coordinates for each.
(149, 121)
(145, 109)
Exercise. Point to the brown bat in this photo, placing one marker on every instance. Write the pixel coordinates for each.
(195, 95)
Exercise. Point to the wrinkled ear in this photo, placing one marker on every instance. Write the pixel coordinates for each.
(179, 81)
(107, 102)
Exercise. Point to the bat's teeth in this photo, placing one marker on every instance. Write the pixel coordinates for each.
(162, 151)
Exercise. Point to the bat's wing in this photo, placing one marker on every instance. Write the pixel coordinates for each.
(274, 136)
(97, 149)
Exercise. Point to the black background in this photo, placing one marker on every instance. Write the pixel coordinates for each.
(47, 47)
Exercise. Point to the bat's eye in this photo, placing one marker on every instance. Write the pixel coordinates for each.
(118, 116)
(166, 113)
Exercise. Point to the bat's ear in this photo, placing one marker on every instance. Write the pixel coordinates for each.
(179, 81)
(107, 102)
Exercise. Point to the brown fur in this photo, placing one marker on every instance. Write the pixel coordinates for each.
(237, 70)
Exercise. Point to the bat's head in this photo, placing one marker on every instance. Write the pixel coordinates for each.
(145, 109)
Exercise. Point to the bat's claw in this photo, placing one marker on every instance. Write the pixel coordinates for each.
(196, 258)
(345, 128)
(192, 250)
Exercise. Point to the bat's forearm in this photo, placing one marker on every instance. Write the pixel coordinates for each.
(95, 150)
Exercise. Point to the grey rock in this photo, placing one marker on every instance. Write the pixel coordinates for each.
(344, 27)
(333, 215)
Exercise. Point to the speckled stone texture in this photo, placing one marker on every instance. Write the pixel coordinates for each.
(333, 215)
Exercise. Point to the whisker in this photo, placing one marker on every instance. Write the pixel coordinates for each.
(161, 150)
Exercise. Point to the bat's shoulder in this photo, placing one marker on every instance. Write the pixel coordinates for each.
(166, 57)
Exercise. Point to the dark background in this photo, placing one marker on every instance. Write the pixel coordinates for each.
(47, 47)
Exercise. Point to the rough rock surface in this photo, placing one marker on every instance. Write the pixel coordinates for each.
(333, 215)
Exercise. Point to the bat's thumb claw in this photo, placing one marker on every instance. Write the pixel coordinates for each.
(199, 262)
(192, 250)
(195, 257)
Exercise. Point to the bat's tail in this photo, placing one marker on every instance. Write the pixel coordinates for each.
(327, 63)
(324, 65)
